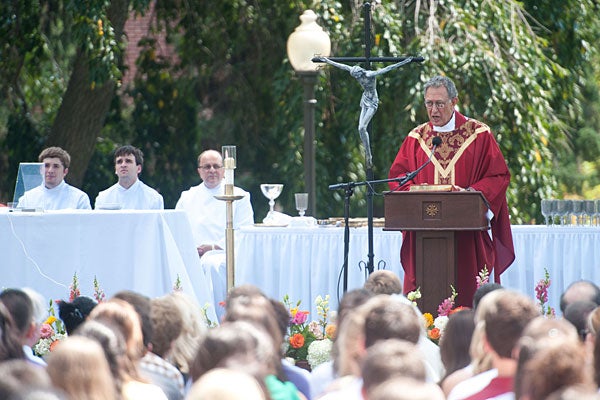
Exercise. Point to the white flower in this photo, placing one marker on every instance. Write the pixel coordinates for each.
(440, 323)
(319, 352)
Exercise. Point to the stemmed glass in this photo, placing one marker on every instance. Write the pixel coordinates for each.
(589, 206)
(578, 211)
(548, 208)
(563, 210)
(301, 203)
(271, 191)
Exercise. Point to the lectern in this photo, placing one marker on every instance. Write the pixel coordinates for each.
(435, 217)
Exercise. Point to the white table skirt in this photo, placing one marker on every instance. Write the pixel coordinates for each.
(144, 251)
(306, 262)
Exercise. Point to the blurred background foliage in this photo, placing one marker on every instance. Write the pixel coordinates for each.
(528, 69)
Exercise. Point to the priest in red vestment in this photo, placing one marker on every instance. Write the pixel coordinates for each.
(468, 158)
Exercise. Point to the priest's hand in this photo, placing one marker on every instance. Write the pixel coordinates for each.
(203, 248)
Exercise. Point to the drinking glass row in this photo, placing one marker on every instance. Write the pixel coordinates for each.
(571, 212)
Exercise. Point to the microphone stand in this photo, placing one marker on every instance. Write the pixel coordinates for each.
(348, 192)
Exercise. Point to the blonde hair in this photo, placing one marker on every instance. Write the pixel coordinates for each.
(226, 384)
(194, 327)
(78, 366)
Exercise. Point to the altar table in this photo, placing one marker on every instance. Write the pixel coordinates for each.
(144, 251)
(306, 262)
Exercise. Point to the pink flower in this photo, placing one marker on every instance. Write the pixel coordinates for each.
(300, 318)
(46, 331)
(445, 307)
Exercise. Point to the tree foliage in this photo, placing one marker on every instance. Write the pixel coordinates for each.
(228, 82)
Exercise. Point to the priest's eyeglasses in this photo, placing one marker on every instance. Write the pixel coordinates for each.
(437, 104)
(207, 167)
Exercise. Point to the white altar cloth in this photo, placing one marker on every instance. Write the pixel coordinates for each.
(306, 262)
(144, 251)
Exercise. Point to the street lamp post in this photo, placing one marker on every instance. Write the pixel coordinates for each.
(303, 44)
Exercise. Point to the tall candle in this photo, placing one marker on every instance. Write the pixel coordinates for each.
(229, 163)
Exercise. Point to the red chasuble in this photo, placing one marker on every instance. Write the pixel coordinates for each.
(468, 157)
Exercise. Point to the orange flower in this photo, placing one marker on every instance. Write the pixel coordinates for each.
(297, 341)
(433, 334)
(330, 331)
(54, 344)
(457, 309)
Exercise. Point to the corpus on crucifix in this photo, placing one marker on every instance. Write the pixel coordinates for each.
(369, 100)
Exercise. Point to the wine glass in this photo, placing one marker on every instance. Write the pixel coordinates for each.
(563, 210)
(548, 209)
(577, 210)
(271, 191)
(301, 203)
(589, 207)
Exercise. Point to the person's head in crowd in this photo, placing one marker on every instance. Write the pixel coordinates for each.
(282, 315)
(349, 345)
(142, 306)
(217, 384)
(20, 306)
(558, 365)
(383, 282)
(575, 392)
(239, 345)
(19, 376)
(581, 290)
(245, 290)
(74, 313)
(39, 314)
(577, 314)
(406, 389)
(539, 334)
(483, 290)
(388, 359)
(387, 318)
(56, 165)
(79, 367)
(10, 343)
(193, 328)
(129, 161)
(596, 358)
(345, 345)
(592, 327)
(113, 345)
(167, 324)
(258, 310)
(120, 315)
(455, 343)
(508, 314)
(351, 300)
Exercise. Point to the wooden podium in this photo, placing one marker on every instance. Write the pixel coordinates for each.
(434, 217)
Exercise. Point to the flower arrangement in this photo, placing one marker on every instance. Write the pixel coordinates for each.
(309, 341)
(435, 327)
(52, 331)
(541, 295)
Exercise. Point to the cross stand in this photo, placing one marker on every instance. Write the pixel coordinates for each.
(367, 60)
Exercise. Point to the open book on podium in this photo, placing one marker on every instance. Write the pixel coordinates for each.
(434, 216)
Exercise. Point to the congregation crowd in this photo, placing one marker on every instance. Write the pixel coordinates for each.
(135, 347)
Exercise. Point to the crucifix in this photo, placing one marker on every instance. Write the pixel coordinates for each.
(368, 104)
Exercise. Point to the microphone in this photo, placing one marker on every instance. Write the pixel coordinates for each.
(436, 142)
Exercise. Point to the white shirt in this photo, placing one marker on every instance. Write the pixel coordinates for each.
(207, 215)
(139, 196)
(473, 385)
(62, 196)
